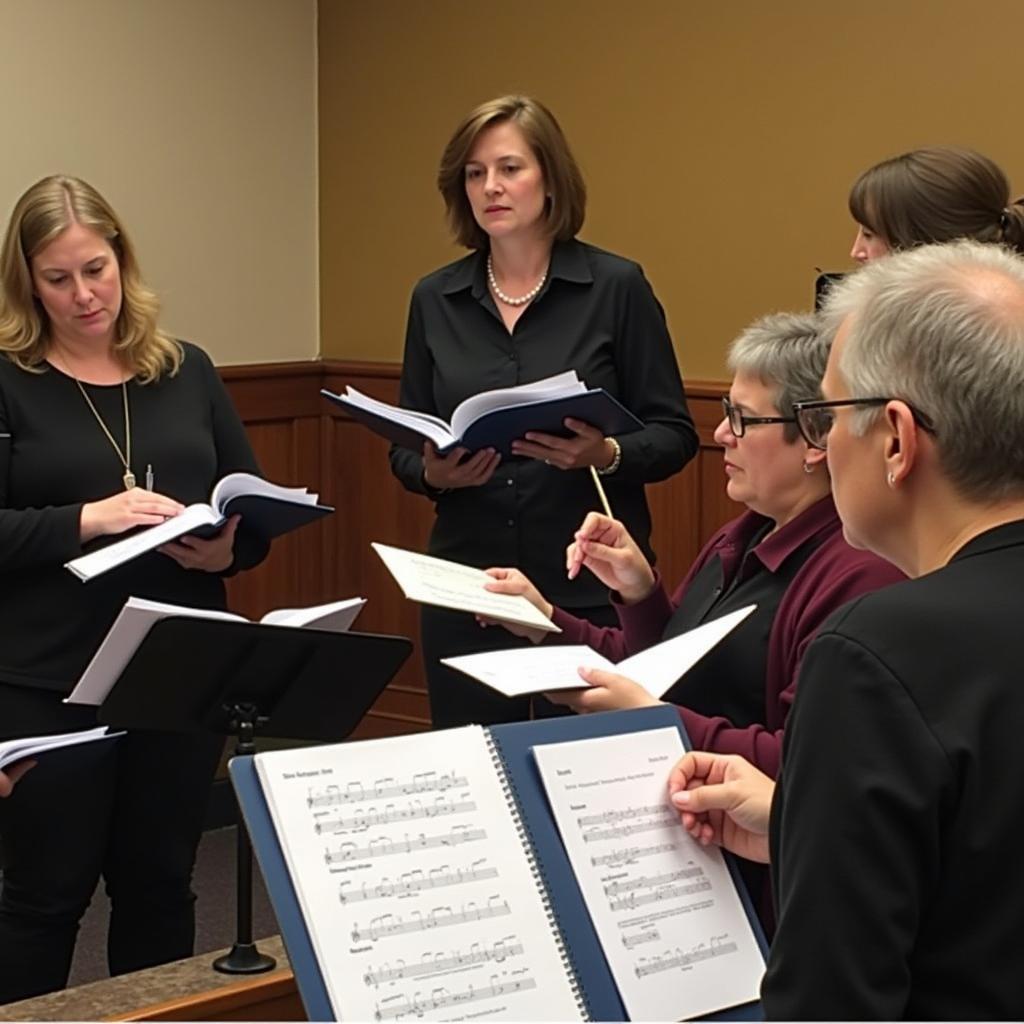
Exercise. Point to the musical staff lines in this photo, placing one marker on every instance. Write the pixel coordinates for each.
(624, 814)
(386, 847)
(441, 998)
(641, 938)
(392, 815)
(665, 819)
(385, 789)
(645, 882)
(670, 961)
(440, 917)
(416, 881)
(634, 901)
(633, 853)
(437, 963)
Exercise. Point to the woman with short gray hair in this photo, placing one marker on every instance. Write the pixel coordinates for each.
(786, 554)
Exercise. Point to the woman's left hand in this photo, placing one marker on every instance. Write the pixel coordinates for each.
(608, 691)
(213, 555)
(588, 447)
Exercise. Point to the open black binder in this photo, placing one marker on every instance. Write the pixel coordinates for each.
(498, 428)
(514, 745)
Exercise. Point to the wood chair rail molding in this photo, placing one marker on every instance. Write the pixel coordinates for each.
(302, 439)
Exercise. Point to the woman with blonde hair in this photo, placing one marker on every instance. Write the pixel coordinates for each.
(529, 301)
(95, 401)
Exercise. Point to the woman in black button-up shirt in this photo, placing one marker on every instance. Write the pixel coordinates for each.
(528, 302)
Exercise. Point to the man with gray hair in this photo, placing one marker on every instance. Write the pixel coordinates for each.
(896, 828)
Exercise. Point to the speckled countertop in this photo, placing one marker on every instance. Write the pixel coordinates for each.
(130, 992)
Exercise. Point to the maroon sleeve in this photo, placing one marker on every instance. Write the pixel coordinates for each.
(835, 574)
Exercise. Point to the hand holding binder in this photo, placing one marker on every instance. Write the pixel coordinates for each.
(494, 419)
(267, 509)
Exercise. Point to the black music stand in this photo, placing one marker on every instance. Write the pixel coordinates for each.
(237, 678)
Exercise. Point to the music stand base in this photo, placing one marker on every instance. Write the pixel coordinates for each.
(244, 958)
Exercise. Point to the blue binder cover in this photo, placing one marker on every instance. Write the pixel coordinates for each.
(514, 744)
(500, 427)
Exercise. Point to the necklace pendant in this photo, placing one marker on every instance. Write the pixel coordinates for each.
(129, 479)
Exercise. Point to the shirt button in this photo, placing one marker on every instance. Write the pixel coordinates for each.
(511, 522)
(510, 481)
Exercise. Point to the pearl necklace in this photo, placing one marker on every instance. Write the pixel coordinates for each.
(507, 299)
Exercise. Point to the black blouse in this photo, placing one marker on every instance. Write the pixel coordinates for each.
(596, 314)
(54, 458)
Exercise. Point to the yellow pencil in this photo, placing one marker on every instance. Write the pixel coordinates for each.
(600, 493)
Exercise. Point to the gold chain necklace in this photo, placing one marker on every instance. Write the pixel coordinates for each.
(126, 455)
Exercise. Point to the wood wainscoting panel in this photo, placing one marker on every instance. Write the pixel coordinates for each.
(302, 439)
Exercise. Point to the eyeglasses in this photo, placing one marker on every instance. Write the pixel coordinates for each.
(815, 419)
(738, 422)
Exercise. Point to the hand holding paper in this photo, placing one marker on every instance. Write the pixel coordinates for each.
(554, 667)
(447, 584)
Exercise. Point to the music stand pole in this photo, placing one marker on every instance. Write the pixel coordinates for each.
(244, 956)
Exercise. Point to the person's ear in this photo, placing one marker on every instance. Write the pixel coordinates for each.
(901, 448)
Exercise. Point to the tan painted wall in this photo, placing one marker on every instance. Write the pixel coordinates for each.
(197, 120)
(718, 140)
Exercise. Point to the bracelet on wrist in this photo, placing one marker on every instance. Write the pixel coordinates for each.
(616, 458)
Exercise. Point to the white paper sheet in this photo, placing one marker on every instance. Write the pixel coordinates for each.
(669, 918)
(447, 584)
(552, 667)
(413, 882)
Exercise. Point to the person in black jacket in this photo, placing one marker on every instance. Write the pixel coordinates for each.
(95, 400)
(895, 829)
(529, 301)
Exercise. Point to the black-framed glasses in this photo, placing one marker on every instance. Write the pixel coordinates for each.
(815, 419)
(739, 421)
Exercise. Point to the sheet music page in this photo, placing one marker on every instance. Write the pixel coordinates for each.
(658, 668)
(669, 918)
(446, 584)
(418, 896)
(521, 670)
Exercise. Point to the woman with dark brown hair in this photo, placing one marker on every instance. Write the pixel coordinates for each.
(935, 194)
(530, 300)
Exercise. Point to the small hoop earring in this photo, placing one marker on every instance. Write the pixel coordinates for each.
(890, 479)
(808, 468)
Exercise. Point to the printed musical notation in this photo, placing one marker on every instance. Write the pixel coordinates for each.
(394, 814)
(666, 818)
(641, 938)
(386, 846)
(670, 961)
(634, 901)
(632, 853)
(397, 1007)
(503, 949)
(416, 881)
(385, 789)
(413, 877)
(440, 917)
(668, 890)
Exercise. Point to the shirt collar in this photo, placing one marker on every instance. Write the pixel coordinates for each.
(568, 262)
(777, 547)
(1004, 536)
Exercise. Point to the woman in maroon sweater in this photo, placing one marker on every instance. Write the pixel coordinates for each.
(786, 554)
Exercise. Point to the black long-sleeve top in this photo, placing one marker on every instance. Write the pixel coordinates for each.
(596, 314)
(897, 825)
(54, 458)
